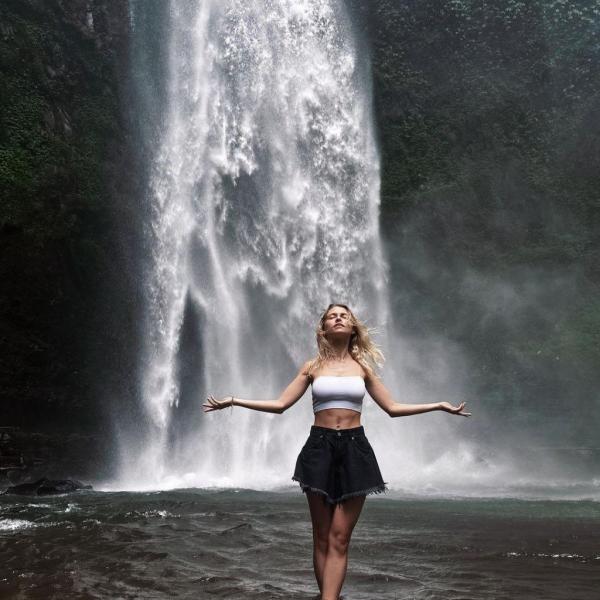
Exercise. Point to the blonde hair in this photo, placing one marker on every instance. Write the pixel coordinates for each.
(360, 346)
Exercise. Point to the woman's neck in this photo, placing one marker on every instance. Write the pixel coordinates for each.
(339, 352)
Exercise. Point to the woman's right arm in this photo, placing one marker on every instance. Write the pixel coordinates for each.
(292, 393)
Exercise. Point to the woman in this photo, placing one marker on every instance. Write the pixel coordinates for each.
(337, 468)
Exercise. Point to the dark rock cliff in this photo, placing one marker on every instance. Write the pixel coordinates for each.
(65, 215)
(489, 124)
(488, 121)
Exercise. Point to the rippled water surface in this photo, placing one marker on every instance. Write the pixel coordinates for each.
(244, 544)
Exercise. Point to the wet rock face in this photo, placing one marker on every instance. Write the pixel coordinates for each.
(102, 20)
(63, 155)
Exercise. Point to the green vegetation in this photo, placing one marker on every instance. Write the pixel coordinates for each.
(57, 116)
(489, 120)
(59, 121)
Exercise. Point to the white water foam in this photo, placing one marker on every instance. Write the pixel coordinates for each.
(12, 525)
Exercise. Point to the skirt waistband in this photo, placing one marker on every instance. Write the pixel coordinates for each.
(337, 432)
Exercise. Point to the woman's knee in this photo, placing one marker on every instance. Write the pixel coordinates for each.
(338, 541)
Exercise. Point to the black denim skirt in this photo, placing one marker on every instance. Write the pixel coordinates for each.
(339, 464)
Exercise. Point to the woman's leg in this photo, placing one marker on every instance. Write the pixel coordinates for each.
(344, 519)
(321, 514)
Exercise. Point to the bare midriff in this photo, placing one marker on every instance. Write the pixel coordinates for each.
(337, 418)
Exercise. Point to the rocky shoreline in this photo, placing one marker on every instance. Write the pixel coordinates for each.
(47, 487)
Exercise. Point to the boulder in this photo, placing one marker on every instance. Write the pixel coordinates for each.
(47, 487)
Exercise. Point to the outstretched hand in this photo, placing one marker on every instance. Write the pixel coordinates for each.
(213, 404)
(455, 410)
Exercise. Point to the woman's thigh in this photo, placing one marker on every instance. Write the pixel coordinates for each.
(345, 517)
(321, 514)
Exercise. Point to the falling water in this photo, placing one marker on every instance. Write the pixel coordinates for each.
(263, 207)
(264, 200)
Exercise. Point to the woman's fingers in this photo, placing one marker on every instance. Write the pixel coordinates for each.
(213, 404)
(209, 404)
(459, 410)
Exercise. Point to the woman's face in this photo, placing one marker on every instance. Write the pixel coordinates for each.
(338, 320)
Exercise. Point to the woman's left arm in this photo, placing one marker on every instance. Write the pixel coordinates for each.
(382, 396)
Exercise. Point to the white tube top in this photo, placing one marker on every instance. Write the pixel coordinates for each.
(332, 391)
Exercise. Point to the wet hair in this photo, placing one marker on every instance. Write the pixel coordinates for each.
(360, 346)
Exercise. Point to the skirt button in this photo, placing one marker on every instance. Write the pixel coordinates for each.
(339, 433)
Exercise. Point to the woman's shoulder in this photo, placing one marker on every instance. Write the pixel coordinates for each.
(364, 368)
(307, 368)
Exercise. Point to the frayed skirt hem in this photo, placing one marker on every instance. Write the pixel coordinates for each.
(378, 489)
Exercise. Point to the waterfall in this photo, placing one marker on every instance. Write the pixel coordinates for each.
(261, 208)
(263, 198)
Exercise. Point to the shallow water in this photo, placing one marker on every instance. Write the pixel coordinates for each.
(245, 544)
